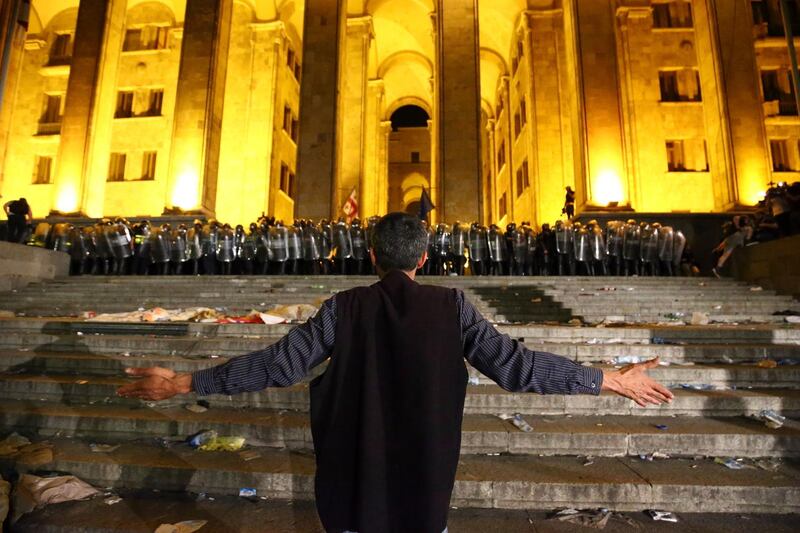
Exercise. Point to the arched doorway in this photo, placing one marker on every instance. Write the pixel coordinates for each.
(409, 158)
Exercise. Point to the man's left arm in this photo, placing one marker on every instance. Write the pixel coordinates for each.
(282, 364)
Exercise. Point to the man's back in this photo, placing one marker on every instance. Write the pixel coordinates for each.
(386, 414)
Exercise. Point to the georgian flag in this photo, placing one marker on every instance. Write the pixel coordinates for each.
(350, 207)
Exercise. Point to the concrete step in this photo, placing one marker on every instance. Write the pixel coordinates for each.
(622, 334)
(606, 436)
(503, 482)
(228, 346)
(481, 399)
(144, 511)
(722, 376)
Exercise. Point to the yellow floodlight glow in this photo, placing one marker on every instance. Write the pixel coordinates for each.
(185, 191)
(67, 199)
(607, 188)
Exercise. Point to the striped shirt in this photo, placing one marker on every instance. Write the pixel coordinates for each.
(496, 355)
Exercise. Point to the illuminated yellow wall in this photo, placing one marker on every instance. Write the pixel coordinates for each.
(547, 54)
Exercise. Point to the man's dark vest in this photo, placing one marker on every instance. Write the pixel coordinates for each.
(386, 414)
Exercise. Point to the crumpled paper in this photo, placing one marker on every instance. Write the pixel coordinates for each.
(31, 492)
(187, 526)
(277, 315)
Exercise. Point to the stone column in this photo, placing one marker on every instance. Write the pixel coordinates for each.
(194, 159)
(458, 109)
(594, 24)
(511, 193)
(352, 119)
(316, 154)
(384, 130)
(370, 187)
(82, 162)
(490, 213)
(12, 46)
(551, 108)
(737, 148)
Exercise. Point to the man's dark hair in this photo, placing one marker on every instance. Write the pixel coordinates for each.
(399, 240)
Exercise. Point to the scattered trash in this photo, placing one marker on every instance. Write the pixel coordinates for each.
(247, 493)
(626, 360)
(5, 491)
(772, 419)
(199, 439)
(663, 516)
(249, 455)
(474, 380)
(589, 461)
(195, 408)
(36, 454)
(12, 444)
(793, 319)
(575, 322)
(770, 465)
(112, 500)
(536, 300)
(654, 455)
(699, 319)
(223, 444)
(663, 341)
(729, 462)
(756, 289)
(613, 319)
(79, 333)
(767, 363)
(662, 427)
(278, 315)
(517, 420)
(697, 386)
(103, 448)
(31, 492)
(82, 381)
(597, 518)
(187, 526)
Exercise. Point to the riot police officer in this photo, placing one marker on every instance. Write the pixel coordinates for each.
(458, 248)
(294, 240)
(546, 251)
(161, 249)
(631, 243)
(614, 238)
(179, 250)
(194, 237)
(279, 248)
(326, 245)
(360, 258)
(262, 247)
(104, 251)
(648, 251)
(245, 246)
(225, 251)
(666, 243)
(597, 249)
(441, 250)
(342, 246)
(518, 243)
(478, 244)
(565, 253)
(208, 245)
(498, 251)
(122, 247)
(312, 248)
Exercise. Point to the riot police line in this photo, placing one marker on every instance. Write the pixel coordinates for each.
(268, 247)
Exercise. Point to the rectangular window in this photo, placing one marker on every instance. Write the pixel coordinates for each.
(156, 100)
(501, 156)
(526, 177)
(523, 112)
(673, 14)
(149, 166)
(42, 168)
(50, 120)
(286, 179)
(680, 85)
(520, 185)
(779, 148)
(503, 207)
(517, 124)
(295, 130)
(149, 37)
(116, 167)
(61, 50)
(778, 91)
(687, 155)
(415, 157)
(287, 120)
(290, 59)
(768, 18)
(124, 104)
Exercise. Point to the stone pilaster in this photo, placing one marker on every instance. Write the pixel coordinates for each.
(594, 25)
(323, 26)
(490, 192)
(351, 138)
(736, 144)
(197, 130)
(384, 130)
(370, 188)
(459, 109)
(82, 162)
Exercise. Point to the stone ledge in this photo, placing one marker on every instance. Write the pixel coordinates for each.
(21, 265)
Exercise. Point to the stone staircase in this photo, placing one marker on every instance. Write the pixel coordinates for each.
(59, 376)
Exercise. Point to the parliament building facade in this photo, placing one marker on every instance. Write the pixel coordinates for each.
(234, 108)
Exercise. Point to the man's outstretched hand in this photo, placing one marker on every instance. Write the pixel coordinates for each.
(155, 383)
(633, 382)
